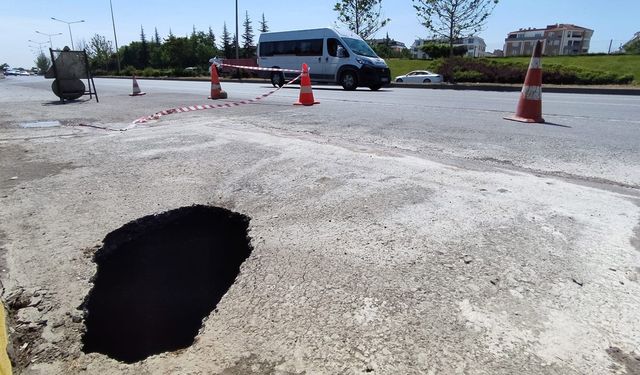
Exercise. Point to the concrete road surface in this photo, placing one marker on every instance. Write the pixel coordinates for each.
(403, 231)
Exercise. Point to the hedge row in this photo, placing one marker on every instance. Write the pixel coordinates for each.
(151, 72)
(458, 69)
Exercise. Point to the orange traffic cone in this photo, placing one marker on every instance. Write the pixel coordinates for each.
(306, 94)
(216, 89)
(136, 88)
(530, 104)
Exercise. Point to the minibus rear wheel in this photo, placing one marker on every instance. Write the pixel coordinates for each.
(349, 80)
(277, 79)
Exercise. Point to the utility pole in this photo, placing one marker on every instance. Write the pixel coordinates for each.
(610, 43)
(115, 38)
(237, 41)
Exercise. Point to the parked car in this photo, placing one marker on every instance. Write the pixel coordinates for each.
(420, 76)
(10, 72)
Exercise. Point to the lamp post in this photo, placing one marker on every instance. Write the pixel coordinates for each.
(38, 43)
(237, 43)
(49, 35)
(69, 25)
(115, 38)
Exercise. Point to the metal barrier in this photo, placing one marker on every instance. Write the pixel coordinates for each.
(69, 68)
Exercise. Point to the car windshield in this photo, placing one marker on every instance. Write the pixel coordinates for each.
(360, 47)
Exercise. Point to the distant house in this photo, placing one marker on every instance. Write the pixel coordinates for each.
(393, 44)
(559, 39)
(416, 49)
(476, 47)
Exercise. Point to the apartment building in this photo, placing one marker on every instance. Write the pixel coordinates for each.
(559, 39)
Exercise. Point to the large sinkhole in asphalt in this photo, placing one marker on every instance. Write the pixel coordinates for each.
(158, 277)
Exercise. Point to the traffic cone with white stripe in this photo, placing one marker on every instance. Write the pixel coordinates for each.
(306, 93)
(216, 89)
(530, 104)
(136, 88)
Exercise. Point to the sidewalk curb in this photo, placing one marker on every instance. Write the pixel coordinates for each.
(623, 90)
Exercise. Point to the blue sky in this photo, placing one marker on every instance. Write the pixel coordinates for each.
(614, 19)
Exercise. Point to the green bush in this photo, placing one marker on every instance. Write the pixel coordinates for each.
(148, 72)
(128, 71)
(468, 76)
(458, 69)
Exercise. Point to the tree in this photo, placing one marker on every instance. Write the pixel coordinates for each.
(363, 17)
(212, 38)
(99, 51)
(42, 62)
(452, 19)
(226, 46)
(156, 37)
(248, 47)
(235, 46)
(263, 25)
(143, 57)
(203, 49)
(178, 51)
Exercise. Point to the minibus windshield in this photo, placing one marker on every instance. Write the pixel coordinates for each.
(360, 47)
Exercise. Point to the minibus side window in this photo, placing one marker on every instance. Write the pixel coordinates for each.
(332, 48)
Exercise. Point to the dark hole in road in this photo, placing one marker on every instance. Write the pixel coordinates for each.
(158, 277)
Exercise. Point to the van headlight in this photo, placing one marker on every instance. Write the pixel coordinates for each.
(363, 61)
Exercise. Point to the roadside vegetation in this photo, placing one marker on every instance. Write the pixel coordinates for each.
(563, 70)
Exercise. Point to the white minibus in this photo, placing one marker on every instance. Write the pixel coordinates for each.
(332, 56)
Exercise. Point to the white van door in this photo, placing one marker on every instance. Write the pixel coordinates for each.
(332, 61)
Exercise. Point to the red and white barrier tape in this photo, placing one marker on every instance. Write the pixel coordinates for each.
(157, 115)
(262, 69)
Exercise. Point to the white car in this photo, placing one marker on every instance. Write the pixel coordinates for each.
(420, 76)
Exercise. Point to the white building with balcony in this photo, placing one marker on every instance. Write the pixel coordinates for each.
(559, 39)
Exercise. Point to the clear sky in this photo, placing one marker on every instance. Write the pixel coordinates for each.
(19, 20)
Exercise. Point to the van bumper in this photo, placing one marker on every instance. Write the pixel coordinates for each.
(373, 76)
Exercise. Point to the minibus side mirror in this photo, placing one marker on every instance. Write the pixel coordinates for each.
(342, 52)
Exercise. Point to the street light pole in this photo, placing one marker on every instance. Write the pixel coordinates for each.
(69, 25)
(49, 35)
(237, 36)
(237, 42)
(38, 43)
(115, 38)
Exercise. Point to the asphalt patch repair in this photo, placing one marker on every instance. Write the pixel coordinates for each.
(158, 277)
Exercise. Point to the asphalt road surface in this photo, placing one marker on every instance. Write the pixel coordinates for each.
(394, 232)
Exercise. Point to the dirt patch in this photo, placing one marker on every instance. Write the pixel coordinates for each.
(630, 361)
(159, 277)
(253, 365)
(18, 167)
(635, 240)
